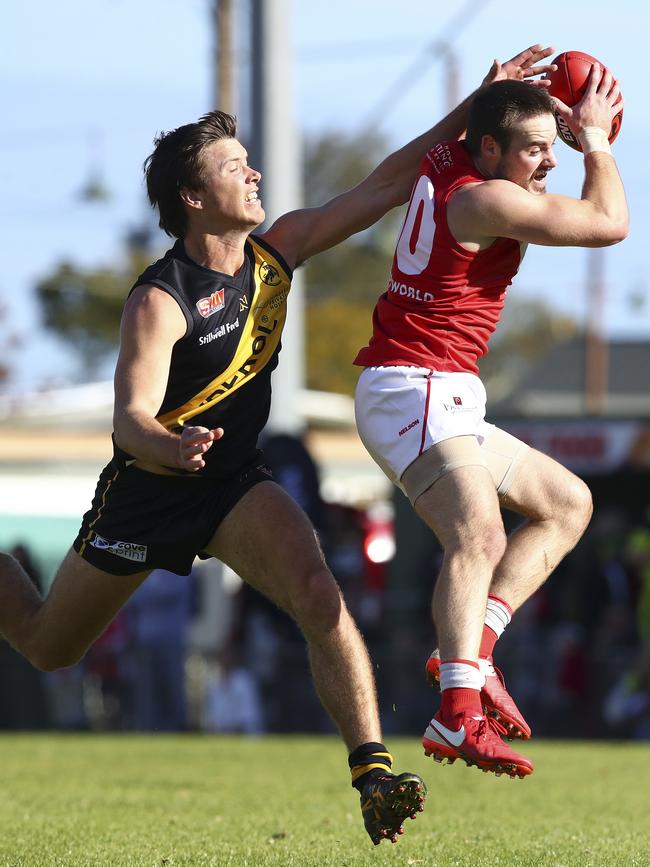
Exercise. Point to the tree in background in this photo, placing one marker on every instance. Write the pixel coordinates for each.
(83, 306)
(9, 343)
(343, 284)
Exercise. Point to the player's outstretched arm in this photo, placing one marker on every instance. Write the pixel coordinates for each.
(152, 322)
(303, 233)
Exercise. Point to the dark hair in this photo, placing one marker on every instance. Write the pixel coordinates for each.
(176, 162)
(496, 109)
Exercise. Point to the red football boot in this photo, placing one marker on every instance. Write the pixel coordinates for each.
(476, 740)
(495, 698)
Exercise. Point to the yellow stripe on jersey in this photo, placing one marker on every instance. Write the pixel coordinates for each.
(257, 344)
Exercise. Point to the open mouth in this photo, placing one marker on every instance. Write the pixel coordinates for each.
(251, 197)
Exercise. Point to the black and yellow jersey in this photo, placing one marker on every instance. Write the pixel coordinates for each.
(220, 371)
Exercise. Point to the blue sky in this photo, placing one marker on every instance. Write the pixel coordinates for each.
(89, 84)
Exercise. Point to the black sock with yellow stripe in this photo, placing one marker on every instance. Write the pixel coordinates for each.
(367, 760)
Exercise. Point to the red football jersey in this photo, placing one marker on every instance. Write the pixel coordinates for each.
(443, 302)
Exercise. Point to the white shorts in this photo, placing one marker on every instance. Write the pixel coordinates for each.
(401, 412)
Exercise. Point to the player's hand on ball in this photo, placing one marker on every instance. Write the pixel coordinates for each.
(601, 102)
(194, 443)
(522, 66)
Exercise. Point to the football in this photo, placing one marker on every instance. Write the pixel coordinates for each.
(568, 83)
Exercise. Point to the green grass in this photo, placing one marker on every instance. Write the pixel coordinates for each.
(199, 800)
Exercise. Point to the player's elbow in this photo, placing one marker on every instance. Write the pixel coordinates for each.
(619, 233)
(400, 191)
(622, 231)
(612, 231)
(388, 190)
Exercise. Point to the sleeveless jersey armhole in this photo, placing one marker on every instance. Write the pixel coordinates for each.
(169, 289)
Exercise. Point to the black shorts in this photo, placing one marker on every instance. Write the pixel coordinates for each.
(140, 521)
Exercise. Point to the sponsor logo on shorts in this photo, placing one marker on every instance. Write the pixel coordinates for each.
(408, 427)
(211, 304)
(226, 328)
(458, 407)
(127, 550)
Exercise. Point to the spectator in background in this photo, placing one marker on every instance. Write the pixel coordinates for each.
(105, 669)
(627, 707)
(232, 702)
(159, 614)
(637, 550)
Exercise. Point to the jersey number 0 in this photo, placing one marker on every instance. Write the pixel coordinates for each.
(416, 239)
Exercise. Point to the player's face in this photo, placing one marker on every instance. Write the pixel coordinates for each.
(530, 155)
(230, 194)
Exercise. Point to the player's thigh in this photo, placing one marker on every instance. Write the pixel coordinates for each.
(462, 507)
(543, 489)
(405, 414)
(81, 603)
(270, 543)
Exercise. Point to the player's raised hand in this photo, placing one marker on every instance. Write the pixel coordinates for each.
(194, 443)
(523, 66)
(601, 102)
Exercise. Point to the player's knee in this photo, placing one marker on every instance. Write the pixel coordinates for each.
(494, 542)
(579, 507)
(485, 544)
(12, 569)
(7, 562)
(318, 604)
(49, 659)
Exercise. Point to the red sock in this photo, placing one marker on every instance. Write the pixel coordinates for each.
(488, 640)
(498, 614)
(458, 699)
(460, 681)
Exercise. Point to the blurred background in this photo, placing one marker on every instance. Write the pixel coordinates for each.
(322, 93)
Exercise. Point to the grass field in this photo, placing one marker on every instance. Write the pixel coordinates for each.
(201, 800)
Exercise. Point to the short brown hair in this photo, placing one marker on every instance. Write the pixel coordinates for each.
(498, 107)
(176, 162)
